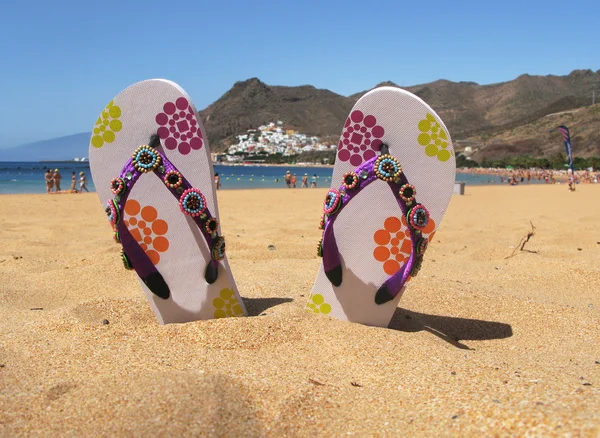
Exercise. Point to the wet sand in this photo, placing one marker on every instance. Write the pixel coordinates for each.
(480, 345)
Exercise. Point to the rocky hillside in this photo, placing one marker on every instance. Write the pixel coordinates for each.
(540, 138)
(252, 103)
(484, 114)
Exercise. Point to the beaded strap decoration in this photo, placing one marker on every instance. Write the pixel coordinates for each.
(418, 217)
(322, 222)
(332, 201)
(192, 202)
(126, 262)
(422, 245)
(407, 193)
(145, 159)
(218, 249)
(416, 267)
(388, 169)
(211, 226)
(117, 186)
(350, 180)
(173, 179)
(113, 212)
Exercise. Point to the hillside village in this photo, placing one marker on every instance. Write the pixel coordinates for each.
(272, 139)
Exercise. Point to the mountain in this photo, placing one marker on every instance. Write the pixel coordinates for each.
(540, 138)
(468, 108)
(62, 148)
(252, 103)
(508, 118)
(479, 113)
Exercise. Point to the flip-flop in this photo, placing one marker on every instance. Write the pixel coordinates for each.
(392, 181)
(153, 172)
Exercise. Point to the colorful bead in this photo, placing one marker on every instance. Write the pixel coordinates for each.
(322, 222)
(128, 176)
(350, 180)
(192, 202)
(332, 201)
(364, 174)
(173, 179)
(117, 186)
(126, 262)
(145, 159)
(211, 226)
(387, 168)
(416, 266)
(418, 217)
(422, 245)
(112, 211)
(407, 193)
(116, 237)
(218, 249)
(161, 169)
(320, 248)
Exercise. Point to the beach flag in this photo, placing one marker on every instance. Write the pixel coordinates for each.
(567, 138)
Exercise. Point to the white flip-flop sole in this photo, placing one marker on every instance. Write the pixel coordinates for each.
(171, 240)
(371, 233)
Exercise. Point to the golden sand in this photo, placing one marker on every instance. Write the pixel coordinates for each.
(481, 345)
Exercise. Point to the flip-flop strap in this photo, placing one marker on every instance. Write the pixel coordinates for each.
(192, 203)
(353, 183)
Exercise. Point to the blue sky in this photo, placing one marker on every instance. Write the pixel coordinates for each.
(62, 61)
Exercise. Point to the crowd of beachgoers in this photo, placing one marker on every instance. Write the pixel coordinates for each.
(53, 180)
(549, 176)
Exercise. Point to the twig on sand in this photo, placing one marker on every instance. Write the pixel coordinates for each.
(521, 245)
(316, 382)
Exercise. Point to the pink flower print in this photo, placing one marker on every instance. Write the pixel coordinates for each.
(179, 127)
(360, 139)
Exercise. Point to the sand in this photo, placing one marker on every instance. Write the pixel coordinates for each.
(480, 345)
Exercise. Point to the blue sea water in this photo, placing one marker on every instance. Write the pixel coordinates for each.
(28, 177)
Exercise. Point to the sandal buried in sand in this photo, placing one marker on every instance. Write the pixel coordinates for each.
(392, 182)
(152, 169)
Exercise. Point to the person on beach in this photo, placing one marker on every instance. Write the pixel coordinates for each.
(73, 183)
(305, 180)
(288, 179)
(293, 180)
(49, 181)
(56, 177)
(313, 181)
(217, 180)
(82, 183)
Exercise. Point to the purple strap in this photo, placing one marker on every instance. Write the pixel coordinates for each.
(140, 261)
(331, 256)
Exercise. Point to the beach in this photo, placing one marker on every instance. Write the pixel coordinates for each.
(482, 344)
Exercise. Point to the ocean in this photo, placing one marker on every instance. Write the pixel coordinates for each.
(28, 177)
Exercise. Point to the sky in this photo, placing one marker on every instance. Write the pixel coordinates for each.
(62, 61)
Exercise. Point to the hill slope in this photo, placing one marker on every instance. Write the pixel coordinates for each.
(499, 119)
(252, 103)
(541, 138)
(467, 108)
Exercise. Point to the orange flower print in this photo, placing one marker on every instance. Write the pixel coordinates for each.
(393, 243)
(147, 229)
